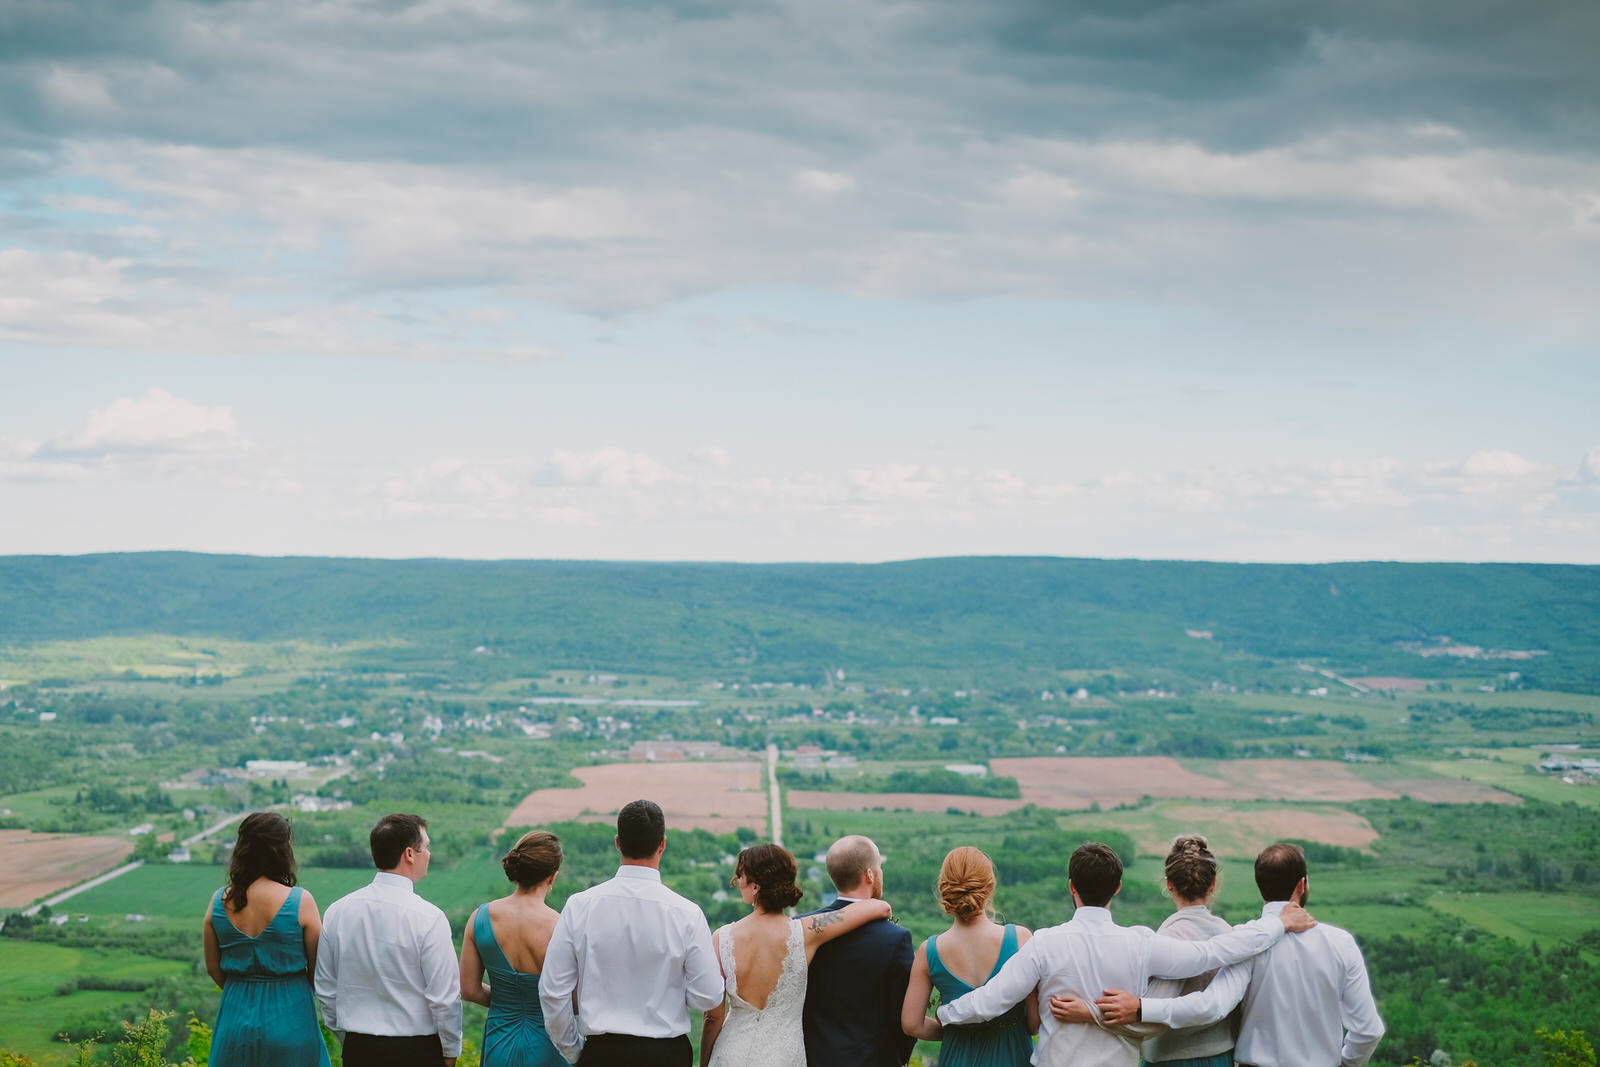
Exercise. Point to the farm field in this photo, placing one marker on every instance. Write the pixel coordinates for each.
(921, 802)
(1523, 917)
(32, 974)
(183, 890)
(1513, 777)
(1236, 830)
(36, 865)
(715, 796)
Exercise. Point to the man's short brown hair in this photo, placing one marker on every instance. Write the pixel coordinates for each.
(1096, 873)
(1279, 869)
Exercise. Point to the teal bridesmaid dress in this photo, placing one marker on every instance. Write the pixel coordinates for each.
(1000, 1042)
(513, 1034)
(268, 1017)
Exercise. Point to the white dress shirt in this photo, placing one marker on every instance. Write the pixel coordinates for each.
(1307, 1002)
(637, 954)
(1088, 955)
(386, 965)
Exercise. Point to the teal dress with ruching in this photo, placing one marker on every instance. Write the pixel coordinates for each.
(513, 1034)
(1000, 1042)
(267, 1017)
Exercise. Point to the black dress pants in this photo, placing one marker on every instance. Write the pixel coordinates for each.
(372, 1050)
(625, 1050)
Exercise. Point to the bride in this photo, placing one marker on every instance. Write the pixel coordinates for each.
(764, 958)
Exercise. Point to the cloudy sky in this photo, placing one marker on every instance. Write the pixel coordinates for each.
(801, 279)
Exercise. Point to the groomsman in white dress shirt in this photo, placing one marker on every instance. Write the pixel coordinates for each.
(387, 977)
(1091, 953)
(1307, 1001)
(636, 956)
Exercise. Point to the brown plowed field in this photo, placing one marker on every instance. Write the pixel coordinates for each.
(1249, 830)
(36, 865)
(719, 797)
(1301, 779)
(818, 800)
(1072, 782)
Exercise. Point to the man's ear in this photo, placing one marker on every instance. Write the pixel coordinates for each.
(1301, 888)
(617, 843)
(1117, 890)
(1074, 891)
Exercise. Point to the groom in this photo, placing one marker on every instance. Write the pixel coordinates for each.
(858, 981)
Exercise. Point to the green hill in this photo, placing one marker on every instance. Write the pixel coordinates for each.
(983, 616)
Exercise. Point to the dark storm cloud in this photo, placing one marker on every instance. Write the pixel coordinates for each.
(550, 84)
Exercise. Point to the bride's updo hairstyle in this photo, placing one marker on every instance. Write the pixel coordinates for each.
(771, 869)
(1191, 868)
(535, 857)
(966, 883)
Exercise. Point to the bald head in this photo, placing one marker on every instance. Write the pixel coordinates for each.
(855, 867)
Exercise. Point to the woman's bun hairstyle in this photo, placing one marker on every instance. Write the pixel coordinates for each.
(771, 869)
(1191, 868)
(535, 857)
(966, 883)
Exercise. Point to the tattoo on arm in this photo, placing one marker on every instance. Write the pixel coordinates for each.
(824, 920)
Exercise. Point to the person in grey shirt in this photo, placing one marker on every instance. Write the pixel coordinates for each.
(1307, 1000)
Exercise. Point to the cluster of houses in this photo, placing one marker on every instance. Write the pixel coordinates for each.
(1573, 770)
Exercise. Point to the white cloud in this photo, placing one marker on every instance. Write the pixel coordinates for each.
(452, 488)
(824, 182)
(1495, 465)
(711, 456)
(612, 467)
(154, 424)
(1590, 467)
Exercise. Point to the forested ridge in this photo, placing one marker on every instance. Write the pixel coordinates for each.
(987, 614)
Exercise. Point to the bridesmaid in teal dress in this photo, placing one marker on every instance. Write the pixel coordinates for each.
(260, 939)
(507, 938)
(975, 946)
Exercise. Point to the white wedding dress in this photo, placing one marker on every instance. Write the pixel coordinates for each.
(771, 1036)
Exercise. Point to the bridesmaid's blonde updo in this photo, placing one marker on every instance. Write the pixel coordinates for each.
(966, 883)
(535, 857)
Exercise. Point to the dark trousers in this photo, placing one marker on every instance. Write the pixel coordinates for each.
(624, 1050)
(371, 1050)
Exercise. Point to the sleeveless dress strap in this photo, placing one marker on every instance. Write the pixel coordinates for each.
(1008, 948)
(730, 969)
(935, 964)
(489, 950)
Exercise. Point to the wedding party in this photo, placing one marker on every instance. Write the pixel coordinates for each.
(614, 977)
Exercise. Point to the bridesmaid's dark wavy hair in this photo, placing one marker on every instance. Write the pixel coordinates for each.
(265, 849)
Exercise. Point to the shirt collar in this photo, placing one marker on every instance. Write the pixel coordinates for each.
(394, 881)
(1087, 913)
(1193, 909)
(633, 870)
(1273, 907)
(848, 900)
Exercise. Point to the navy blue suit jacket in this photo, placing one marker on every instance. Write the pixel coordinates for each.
(856, 986)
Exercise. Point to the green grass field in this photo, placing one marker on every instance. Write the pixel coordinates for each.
(182, 890)
(28, 982)
(1514, 778)
(1524, 917)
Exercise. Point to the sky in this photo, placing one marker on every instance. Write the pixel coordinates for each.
(771, 280)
